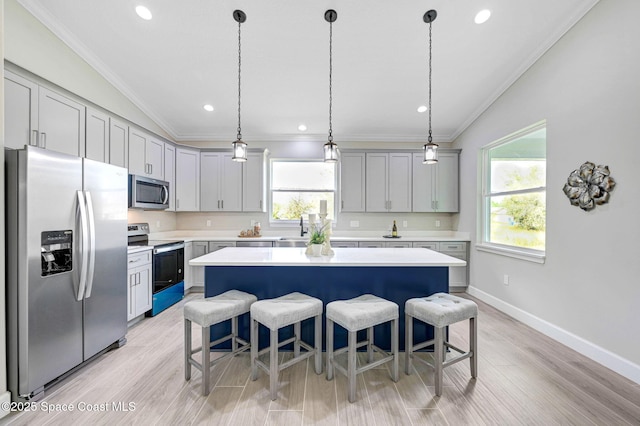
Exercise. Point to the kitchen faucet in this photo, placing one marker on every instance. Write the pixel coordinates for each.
(302, 231)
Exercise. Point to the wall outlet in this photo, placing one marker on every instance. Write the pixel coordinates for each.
(354, 223)
(505, 279)
(208, 223)
(405, 223)
(157, 224)
(437, 224)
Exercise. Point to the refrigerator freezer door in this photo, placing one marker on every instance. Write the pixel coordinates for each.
(105, 304)
(47, 323)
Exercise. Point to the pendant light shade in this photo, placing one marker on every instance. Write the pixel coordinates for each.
(430, 148)
(331, 153)
(239, 147)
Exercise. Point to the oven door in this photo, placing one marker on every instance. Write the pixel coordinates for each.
(168, 267)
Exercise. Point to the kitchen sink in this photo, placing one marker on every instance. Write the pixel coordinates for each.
(292, 242)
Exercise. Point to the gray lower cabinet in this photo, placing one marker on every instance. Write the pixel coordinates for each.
(458, 276)
(139, 291)
(200, 248)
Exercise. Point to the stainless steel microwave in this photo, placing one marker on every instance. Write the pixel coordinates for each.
(149, 194)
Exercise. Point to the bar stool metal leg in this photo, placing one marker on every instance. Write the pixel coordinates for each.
(329, 349)
(254, 349)
(394, 349)
(206, 360)
(437, 354)
(273, 365)
(351, 365)
(296, 342)
(370, 344)
(317, 322)
(187, 349)
(408, 343)
(234, 333)
(473, 342)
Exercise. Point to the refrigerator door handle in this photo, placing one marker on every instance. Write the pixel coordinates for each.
(92, 244)
(84, 247)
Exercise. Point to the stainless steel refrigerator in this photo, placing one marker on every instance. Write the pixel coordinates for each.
(66, 264)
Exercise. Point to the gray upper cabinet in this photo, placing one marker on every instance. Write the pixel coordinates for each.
(187, 180)
(253, 189)
(220, 182)
(435, 186)
(61, 123)
(352, 182)
(97, 136)
(146, 154)
(388, 182)
(35, 115)
(20, 111)
(118, 143)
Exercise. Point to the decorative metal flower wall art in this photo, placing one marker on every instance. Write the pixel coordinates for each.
(589, 186)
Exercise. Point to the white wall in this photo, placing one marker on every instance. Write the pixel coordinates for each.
(587, 87)
(4, 394)
(30, 45)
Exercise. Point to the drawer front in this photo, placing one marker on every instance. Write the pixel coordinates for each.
(139, 259)
(397, 244)
(217, 245)
(428, 245)
(453, 246)
(344, 244)
(370, 244)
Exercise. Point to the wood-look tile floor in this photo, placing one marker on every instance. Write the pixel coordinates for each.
(524, 378)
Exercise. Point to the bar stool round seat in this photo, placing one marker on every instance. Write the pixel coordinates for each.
(441, 310)
(360, 313)
(207, 312)
(290, 309)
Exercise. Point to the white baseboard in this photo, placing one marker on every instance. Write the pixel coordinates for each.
(5, 397)
(602, 356)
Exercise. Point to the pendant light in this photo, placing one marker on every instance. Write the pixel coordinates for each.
(430, 148)
(239, 147)
(330, 148)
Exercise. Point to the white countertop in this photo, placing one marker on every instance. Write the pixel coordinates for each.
(286, 256)
(409, 236)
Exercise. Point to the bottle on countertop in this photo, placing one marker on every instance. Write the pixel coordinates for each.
(394, 230)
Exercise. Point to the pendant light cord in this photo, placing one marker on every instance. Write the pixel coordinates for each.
(430, 137)
(330, 78)
(239, 67)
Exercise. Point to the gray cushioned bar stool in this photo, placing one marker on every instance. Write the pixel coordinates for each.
(360, 313)
(441, 310)
(292, 308)
(207, 312)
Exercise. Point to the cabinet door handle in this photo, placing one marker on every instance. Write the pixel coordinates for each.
(34, 138)
(260, 204)
(342, 204)
(150, 168)
(43, 139)
(218, 204)
(222, 204)
(436, 204)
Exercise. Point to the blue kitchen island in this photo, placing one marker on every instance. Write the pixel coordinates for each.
(396, 274)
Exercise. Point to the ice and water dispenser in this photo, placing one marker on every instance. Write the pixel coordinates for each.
(56, 250)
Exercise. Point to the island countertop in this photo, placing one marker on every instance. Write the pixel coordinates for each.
(361, 257)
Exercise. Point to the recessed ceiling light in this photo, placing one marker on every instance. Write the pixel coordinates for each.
(302, 128)
(144, 13)
(482, 16)
(422, 108)
(208, 107)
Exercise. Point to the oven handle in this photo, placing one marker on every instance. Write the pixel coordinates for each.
(168, 248)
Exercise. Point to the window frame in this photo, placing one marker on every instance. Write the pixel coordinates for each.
(484, 201)
(289, 223)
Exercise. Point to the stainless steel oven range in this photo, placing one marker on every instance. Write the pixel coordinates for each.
(168, 267)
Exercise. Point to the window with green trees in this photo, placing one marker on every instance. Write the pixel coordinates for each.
(298, 186)
(514, 190)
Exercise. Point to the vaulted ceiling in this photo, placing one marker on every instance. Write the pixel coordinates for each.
(187, 56)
